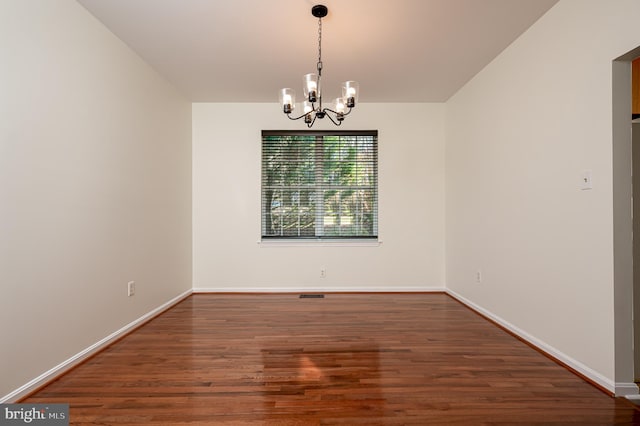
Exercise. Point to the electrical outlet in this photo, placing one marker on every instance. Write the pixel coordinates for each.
(323, 273)
(478, 276)
(131, 288)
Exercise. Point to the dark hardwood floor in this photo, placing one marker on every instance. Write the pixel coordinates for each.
(351, 359)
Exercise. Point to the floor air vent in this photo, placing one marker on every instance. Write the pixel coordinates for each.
(312, 296)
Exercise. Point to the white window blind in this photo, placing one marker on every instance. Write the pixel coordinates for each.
(319, 184)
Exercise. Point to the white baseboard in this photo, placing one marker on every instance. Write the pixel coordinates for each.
(385, 289)
(555, 353)
(81, 356)
(628, 390)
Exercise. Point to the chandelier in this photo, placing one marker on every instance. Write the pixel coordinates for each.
(312, 89)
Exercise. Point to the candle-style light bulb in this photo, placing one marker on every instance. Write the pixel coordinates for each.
(287, 100)
(350, 93)
(310, 87)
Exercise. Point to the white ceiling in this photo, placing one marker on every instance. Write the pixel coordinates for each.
(246, 50)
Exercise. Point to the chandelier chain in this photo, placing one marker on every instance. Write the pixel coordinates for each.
(319, 46)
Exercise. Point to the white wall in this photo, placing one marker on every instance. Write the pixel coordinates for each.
(519, 136)
(226, 204)
(95, 175)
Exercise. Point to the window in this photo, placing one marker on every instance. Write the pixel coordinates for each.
(319, 184)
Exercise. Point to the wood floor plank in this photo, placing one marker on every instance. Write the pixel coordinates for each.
(347, 359)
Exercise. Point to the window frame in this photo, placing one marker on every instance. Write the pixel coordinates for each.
(320, 237)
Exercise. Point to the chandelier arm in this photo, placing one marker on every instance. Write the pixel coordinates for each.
(337, 123)
(336, 112)
(344, 114)
(296, 118)
(338, 120)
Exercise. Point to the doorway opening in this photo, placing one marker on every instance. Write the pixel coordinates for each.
(626, 194)
(635, 148)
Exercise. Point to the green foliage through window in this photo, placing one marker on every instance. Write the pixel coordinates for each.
(319, 184)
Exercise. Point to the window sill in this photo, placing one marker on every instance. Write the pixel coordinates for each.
(319, 243)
